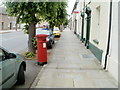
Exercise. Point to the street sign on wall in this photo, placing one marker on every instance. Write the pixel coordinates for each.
(76, 11)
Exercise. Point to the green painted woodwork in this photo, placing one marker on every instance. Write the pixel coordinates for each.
(96, 51)
(96, 41)
(88, 12)
(82, 32)
(77, 35)
(75, 26)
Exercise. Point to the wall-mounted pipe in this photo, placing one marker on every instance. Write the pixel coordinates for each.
(109, 35)
(82, 32)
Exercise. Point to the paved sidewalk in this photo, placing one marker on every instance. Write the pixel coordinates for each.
(8, 31)
(71, 65)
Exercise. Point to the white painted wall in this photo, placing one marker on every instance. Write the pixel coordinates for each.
(100, 31)
(113, 55)
(77, 17)
(72, 22)
(80, 6)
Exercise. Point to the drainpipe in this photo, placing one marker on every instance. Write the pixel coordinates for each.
(82, 32)
(109, 35)
(75, 26)
(88, 12)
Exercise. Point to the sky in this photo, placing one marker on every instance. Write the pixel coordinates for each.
(70, 6)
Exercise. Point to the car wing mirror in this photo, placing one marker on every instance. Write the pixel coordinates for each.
(51, 33)
(12, 55)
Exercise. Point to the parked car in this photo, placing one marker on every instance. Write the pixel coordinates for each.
(49, 39)
(12, 67)
(56, 32)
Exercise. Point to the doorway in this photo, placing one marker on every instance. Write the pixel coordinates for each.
(10, 25)
(2, 25)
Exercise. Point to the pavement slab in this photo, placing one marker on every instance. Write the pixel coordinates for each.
(56, 83)
(71, 65)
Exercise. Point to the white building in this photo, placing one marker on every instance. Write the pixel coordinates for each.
(100, 31)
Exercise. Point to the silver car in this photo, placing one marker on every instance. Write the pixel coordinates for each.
(12, 67)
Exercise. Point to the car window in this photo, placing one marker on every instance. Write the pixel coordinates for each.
(44, 32)
(56, 29)
(42, 29)
(51, 32)
(2, 55)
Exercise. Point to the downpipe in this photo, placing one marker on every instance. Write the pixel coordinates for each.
(109, 35)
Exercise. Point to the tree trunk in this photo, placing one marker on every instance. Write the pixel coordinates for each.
(16, 27)
(52, 27)
(31, 30)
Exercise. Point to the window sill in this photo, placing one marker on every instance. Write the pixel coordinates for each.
(96, 41)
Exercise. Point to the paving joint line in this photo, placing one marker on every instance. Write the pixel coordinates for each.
(73, 83)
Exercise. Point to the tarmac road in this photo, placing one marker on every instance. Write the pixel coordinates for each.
(17, 42)
(32, 71)
(14, 41)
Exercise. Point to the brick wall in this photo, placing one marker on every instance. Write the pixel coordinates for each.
(6, 21)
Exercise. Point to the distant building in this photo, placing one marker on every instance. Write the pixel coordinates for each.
(6, 22)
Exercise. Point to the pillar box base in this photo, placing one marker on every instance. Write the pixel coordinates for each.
(41, 49)
(42, 63)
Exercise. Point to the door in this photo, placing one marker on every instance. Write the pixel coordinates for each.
(8, 70)
(10, 25)
(2, 25)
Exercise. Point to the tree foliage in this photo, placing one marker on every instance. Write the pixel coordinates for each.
(56, 13)
(26, 12)
(33, 12)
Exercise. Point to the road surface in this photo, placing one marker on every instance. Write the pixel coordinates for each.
(14, 41)
(17, 42)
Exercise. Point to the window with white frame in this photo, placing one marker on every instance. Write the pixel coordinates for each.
(97, 31)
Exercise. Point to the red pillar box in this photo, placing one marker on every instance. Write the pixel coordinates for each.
(41, 49)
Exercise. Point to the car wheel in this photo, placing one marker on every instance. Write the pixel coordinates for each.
(53, 42)
(21, 75)
(50, 45)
